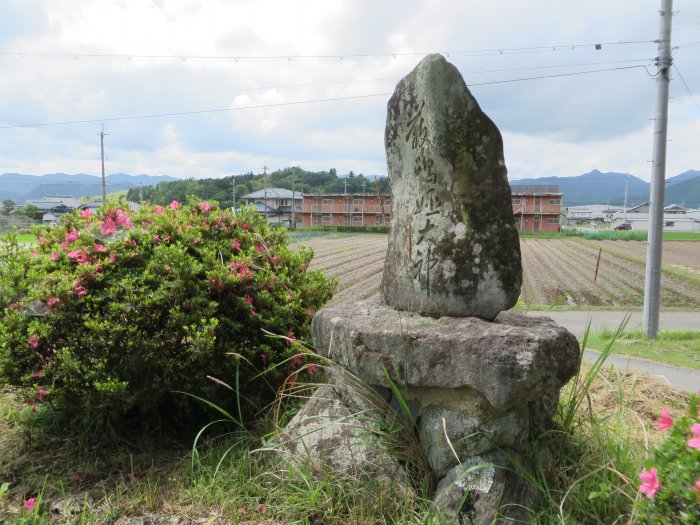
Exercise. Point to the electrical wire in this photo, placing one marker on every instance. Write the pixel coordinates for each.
(311, 84)
(686, 85)
(289, 58)
(301, 102)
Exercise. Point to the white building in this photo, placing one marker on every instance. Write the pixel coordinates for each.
(278, 205)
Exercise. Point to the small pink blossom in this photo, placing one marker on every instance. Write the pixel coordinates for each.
(174, 205)
(650, 483)
(236, 245)
(54, 255)
(312, 368)
(38, 373)
(123, 220)
(41, 393)
(100, 247)
(112, 258)
(34, 254)
(52, 301)
(205, 206)
(78, 255)
(664, 422)
(80, 291)
(696, 487)
(108, 227)
(33, 342)
(86, 212)
(156, 237)
(14, 305)
(259, 248)
(310, 312)
(694, 442)
(159, 210)
(41, 240)
(290, 334)
(29, 504)
(65, 244)
(248, 299)
(261, 508)
(72, 236)
(244, 226)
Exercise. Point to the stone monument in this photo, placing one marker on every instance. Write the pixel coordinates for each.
(481, 382)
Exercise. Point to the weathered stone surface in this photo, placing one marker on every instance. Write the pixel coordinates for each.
(511, 361)
(453, 247)
(485, 490)
(327, 432)
(468, 435)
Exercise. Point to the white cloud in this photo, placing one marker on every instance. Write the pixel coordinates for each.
(556, 126)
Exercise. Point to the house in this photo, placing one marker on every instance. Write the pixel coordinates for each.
(673, 221)
(536, 207)
(346, 209)
(52, 207)
(280, 206)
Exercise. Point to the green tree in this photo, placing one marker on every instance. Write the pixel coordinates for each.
(7, 206)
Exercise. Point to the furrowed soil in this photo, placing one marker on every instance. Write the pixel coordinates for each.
(561, 271)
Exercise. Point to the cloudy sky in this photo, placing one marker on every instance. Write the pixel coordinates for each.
(209, 88)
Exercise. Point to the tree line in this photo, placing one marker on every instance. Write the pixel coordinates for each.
(292, 178)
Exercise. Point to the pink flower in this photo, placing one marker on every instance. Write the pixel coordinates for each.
(14, 305)
(695, 441)
(41, 393)
(261, 508)
(290, 334)
(78, 255)
(33, 342)
(159, 210)
(123, 220)
(312, 368)
(108, 227)
(52, 301)
(260, 248)
(664, 421)
(174, 205)
(650, 483)
(54, 256)
(248, 299)
(65, 244)
(696, 487)
(236, 245)
(34, 254)
(72, 236)
(156, 237)
(100, 247)
(205, 206)
(38, 373)
(41, 240)
(112, 258)
(86, 212)
(80, 291)
(244, 226)
(29, 504)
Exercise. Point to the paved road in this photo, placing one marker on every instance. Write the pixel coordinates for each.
(687, 379)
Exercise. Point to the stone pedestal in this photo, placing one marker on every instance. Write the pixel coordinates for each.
(476, 389)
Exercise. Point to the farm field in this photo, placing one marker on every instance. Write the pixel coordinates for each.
(557, 271)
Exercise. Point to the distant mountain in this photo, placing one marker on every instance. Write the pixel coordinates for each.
(682, 177)
(21, 187)
(594, 187)
(686, 192)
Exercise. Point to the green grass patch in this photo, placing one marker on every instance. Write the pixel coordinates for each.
(26, 238)
(549, 235)
(613, 235)
(673, 347)
(681, 236)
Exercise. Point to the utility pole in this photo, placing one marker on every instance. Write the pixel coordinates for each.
(624, 209)
(102, 148)
(652, 283)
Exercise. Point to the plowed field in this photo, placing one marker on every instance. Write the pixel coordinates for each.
(554, 270)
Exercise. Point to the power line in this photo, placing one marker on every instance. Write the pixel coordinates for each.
(686, 85)
(300, 102)
(313, 84)
(290, 58)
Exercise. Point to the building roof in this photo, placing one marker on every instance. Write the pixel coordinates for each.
(274, 193)
(536, 189)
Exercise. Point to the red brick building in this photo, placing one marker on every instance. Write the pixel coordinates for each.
(351, 209)
(536, 208)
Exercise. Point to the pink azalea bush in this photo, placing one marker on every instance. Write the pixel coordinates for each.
(119, 309)
(670, 481)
